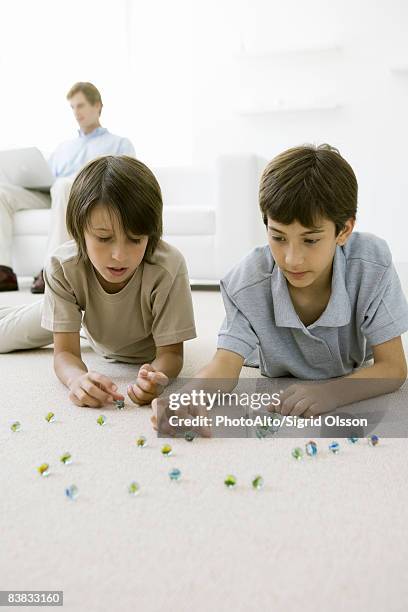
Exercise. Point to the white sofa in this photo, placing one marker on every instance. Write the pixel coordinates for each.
(210, 214)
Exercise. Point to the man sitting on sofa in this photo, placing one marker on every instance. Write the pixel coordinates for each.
(69, 157)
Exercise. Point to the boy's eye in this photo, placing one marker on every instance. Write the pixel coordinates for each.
(108, 238)
(307, 240)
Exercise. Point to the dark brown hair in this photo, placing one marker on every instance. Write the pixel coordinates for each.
(89, 90)
(308, 183)
(130, 191)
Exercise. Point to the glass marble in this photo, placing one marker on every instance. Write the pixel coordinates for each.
(352, 440)
(230, 481)
(262, 432)
(120, 404)
(44, 469)
(66, 458)
(16, 426)
(50, 417)
(141, 442)
(166, 450)
(311, 448)
(297, 453)
(134, 488)
(373, 440)
(334, 447)
(175, 474)
(257, 482)
(189, 436)
(71, 492)
(101, 420)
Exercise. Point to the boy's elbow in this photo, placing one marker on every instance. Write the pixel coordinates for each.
(399, 375)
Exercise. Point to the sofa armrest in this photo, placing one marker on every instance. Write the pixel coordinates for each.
(238, 219)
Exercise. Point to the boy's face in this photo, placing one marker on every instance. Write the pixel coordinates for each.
(305, 254)
(112, 253)
(86, 114)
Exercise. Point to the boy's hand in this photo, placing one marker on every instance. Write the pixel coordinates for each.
(149, 384)
(162, 413)
(94, 390)
(306, 400)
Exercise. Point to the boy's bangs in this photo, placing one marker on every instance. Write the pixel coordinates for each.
(131, 219)
(308, 213)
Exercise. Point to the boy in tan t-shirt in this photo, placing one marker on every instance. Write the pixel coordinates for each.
(127, 288)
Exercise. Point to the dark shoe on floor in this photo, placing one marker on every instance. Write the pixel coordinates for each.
(38, 285)
(8, 280)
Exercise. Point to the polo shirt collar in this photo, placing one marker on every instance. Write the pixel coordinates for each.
(338, 310)
(96, 132)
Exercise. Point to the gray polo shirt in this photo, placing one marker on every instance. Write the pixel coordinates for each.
(366, 307)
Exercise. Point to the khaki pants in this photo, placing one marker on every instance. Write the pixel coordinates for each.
(20, 328)
(14, 198)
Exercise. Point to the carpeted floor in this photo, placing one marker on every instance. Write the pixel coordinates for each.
(325, 533)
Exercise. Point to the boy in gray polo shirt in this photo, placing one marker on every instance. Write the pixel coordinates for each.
(318, 301)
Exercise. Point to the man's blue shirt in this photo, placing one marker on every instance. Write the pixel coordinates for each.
(69, 157)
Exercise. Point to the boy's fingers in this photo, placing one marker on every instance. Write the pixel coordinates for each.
(132, 395)
(158, 378)
(146, 367)
(145, 385)
(138, 396)
(106, 384)
(85, 399)
(95, 392)
(102, 380)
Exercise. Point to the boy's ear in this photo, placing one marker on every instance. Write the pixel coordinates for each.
(345, 232)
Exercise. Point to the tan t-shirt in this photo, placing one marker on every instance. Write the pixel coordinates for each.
(153, 309)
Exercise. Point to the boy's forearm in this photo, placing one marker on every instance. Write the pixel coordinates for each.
(169, 363)
(216, 375)
(68, 367)
(372, 381)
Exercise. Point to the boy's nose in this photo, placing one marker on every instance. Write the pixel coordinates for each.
(119, 253)
(294, 259)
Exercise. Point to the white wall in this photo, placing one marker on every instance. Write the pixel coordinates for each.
(266, 54)
(137, 53)
(181, 79)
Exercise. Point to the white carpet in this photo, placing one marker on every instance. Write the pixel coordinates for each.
(328, 533)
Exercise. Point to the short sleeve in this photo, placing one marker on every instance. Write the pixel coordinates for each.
(387, 315)
(126, 148)
(172, 310)
(236, 333)
(61, 312)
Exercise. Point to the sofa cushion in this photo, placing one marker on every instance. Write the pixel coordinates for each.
(177, 220)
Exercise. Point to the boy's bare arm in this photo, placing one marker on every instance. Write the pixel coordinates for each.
(68, 364)
(86, 388)
(169, 359)
(387, 374)
(220, 374)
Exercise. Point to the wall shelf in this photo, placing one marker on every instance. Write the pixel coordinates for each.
(288, 52)
(399, 69)
(290, 108)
